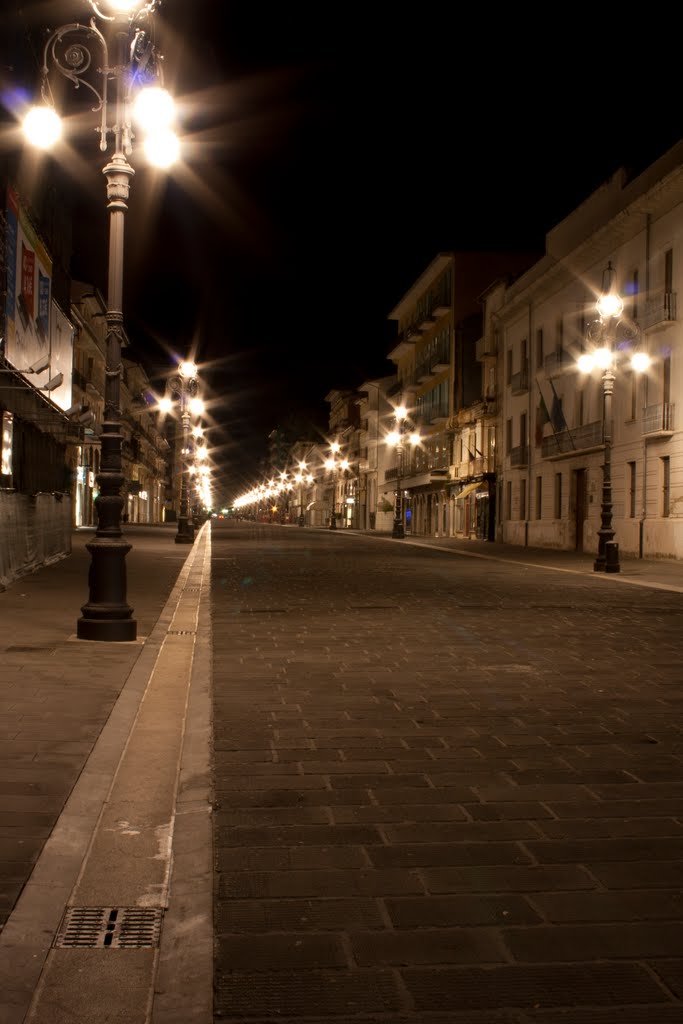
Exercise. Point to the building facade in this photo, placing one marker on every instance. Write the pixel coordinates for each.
(552, 416)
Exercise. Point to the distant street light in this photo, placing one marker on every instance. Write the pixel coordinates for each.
(184, 387)
(610, 334)
(125, 63)
(333, 464)
(396, 440)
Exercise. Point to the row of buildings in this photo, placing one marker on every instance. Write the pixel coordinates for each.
(513, 436)
(52, 399)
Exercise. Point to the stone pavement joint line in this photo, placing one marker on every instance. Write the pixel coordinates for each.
(126, 862)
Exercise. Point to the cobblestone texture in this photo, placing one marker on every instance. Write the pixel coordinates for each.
(447, 789)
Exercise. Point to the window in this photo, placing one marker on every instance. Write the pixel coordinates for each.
(666, 379)
(558, 495)
(539, 348)
(668, 271)
(539, 497)
(508, 499)
(632, 490)
(522, 430)
(666, 486)
(559, 338)
(522, 499)
(508, 436)
(635, 290)
(633, 411)
(508, 366)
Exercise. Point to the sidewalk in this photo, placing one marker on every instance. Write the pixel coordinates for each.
(82, 723)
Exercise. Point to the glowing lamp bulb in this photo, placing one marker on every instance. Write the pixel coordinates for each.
(42, 127)
(610, 305)
(586, 362)
(640, 361)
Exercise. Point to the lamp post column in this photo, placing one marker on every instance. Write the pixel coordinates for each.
(107, 615)
(333, 517)
(185, 534)
(608, 553)
(398, 529)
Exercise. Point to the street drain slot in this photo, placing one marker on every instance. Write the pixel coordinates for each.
(180, 632)
(109, 928)
(34, 649)
(263, 611)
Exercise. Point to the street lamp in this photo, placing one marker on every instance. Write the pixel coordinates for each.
(333, 464)
(301, 478)
(124, 66)
(609, 334)
(184, 387)
(396, 439)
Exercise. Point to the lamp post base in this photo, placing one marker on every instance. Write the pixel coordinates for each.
(185, 534)
(107, 617)
(333, 523)
(301, 521)
(398, 531)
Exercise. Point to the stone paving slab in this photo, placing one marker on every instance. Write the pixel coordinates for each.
(446, 789)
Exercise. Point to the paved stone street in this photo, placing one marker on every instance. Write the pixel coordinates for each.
(447, 789)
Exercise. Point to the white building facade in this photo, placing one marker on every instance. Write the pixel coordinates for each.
(551, 447)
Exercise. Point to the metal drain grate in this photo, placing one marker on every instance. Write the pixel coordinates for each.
(109, 928)
(181, 632)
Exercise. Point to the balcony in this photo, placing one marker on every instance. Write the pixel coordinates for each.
(423, 371)
(658, 420)
(659, 311)
(486, 347)
(426, 322)
(519, 382)
(557, 361)
(442, 305)
(441, 359)
(519, 456)
(472, 468)
(570, 442)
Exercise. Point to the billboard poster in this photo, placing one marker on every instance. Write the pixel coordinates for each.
(29, 286)
(61, 332)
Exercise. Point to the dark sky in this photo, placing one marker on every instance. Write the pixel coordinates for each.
(332, 150)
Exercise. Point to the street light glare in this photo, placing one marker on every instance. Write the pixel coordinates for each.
(640, 361)
(196, 406)
(42, 127)
(603, 358)
(123, 5)
(610, 305)
(154, 108)
(165, 404)
(162, 148)
(187, 369)
(586, 362)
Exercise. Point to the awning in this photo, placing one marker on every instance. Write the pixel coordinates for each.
(468, 488)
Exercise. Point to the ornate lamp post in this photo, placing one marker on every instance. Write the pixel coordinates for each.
(333, 464)
(396, 440)
(184, 387)
(609, 335)
(124, 75)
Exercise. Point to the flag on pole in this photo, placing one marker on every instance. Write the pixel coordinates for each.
(556, 415)
(542, 417)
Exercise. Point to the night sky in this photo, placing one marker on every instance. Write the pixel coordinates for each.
(330, 152)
